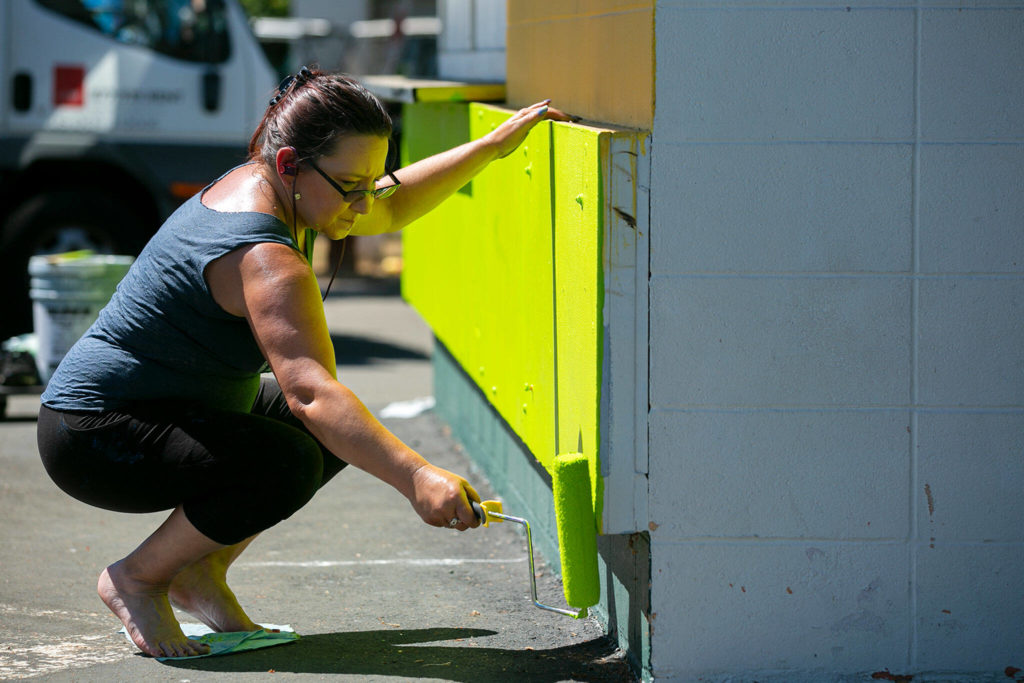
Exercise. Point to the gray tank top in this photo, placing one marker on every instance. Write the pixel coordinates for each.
(162, 336)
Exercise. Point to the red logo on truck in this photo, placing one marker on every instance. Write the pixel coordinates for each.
(68, 85)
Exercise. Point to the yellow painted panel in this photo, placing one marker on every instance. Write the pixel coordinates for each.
(461, 92)
(479, 270)
(514, 207)
(508, 274)
(579, 210)
(397, 88)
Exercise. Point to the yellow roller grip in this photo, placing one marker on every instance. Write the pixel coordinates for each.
(490, 506)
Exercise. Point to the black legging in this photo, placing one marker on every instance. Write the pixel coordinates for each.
(235, 474)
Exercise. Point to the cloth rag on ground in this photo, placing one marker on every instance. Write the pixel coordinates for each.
(234, 641)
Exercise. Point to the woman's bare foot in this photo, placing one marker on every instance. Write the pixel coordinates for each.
(146, 614)
(202, 590)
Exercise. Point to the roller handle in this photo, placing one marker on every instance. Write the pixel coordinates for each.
(489, 511)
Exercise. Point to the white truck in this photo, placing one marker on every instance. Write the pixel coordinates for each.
(113, 112)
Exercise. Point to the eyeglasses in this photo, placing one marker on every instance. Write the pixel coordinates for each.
(352, 196)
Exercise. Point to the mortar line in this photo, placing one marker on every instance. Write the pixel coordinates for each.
(915, 251)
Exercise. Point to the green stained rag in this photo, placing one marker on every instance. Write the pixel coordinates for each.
(231, 642)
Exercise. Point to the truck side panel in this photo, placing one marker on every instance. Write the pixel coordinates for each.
(86, 81)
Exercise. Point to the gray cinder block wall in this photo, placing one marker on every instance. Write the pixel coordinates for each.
(837, 340)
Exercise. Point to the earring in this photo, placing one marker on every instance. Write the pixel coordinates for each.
(298, 196)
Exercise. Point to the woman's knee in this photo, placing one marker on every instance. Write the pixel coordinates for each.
(268, 490)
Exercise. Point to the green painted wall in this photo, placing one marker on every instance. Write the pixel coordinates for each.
(508, 274)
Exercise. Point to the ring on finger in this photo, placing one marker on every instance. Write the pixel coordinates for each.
(453, 522)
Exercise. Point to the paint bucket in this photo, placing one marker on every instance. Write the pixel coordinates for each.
(67, 292)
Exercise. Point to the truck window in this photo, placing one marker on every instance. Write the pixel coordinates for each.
(191, 30)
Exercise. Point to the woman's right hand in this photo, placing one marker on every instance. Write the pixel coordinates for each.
(510, 134)
(440, 496)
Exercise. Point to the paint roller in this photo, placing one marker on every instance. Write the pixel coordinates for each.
(577, 534)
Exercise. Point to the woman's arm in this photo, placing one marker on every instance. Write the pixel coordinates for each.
(428, 182)
(273, 288)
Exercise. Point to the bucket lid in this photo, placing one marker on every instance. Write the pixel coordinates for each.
(47, 296)
(78, 264)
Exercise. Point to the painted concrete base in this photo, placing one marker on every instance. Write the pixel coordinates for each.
(525, 488)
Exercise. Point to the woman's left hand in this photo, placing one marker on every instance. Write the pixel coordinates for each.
(442, 498)
(512, 132)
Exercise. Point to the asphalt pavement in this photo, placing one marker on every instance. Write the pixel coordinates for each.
(375, 594)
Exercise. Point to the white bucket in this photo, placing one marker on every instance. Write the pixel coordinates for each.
(68, 291)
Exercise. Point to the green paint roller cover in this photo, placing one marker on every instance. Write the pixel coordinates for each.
(577, 529)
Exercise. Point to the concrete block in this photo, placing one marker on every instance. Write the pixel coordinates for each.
(845, 5)
(975, 5)
(970, 197)
(820, 207)
(563, 59)
(777, 341)
(625, 568)
(970, 469)
(971, 342)
(537, 11)
(744, 608)
(836, 475)
(522, 11)
(971, 65)
(969, 604)
(769, 74)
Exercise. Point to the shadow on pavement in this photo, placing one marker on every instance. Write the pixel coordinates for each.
(349, 350)
(395, 653)
(361, 286)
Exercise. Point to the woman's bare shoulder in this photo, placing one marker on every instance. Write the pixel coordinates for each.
(243, 189)
(254, 271)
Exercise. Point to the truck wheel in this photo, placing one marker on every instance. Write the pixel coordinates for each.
(55, 222)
